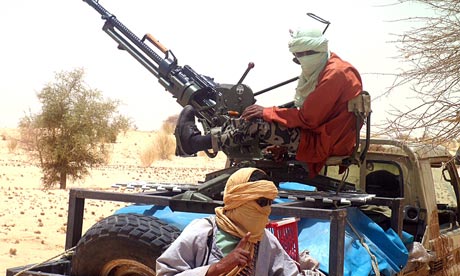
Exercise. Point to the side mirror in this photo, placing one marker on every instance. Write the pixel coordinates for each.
(446, 175)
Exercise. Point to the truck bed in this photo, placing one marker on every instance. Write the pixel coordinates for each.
(165, 198)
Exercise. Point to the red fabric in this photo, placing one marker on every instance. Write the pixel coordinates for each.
(328, 129)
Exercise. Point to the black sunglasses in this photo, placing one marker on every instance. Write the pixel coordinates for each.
(264, 201)
(301, 54)
(305, 53)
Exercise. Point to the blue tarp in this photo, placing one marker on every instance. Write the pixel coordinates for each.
(387, 247)
(294, 186)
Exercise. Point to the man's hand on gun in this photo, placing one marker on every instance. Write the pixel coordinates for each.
(252, 112)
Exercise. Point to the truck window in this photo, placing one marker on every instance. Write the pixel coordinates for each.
(351, 176)
(383, 178)
(445, 194)
(446, 198)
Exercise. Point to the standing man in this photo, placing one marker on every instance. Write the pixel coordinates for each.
(319, 126)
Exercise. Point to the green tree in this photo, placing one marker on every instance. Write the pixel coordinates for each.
(71, 132)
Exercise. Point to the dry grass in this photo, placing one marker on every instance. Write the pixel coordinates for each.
(169, 124)
(148, 156)
(12, 144)
(162, 148)
(163, 145)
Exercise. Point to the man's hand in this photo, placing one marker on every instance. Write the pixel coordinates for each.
(237, 257)
(253, 111)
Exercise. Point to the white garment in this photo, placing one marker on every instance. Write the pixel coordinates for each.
(187, 254)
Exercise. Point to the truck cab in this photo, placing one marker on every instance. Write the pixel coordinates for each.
(425, 177)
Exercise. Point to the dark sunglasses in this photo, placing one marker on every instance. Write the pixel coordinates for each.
(305, 53)
(301, 54)
(264, 201)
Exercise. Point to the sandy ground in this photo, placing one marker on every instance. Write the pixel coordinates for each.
(33, 221)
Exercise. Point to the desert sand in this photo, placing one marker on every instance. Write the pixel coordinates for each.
(33, 221)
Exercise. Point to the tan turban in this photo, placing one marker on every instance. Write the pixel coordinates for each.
(239, 190)
(241, 213)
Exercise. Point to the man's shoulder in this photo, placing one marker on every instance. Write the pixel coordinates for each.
(337, 62)
(210, 220)
(202, 224)
(338, 69)
(270, 236)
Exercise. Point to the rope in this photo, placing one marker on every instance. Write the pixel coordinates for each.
(374, 263)
(342, 181)
(68, 252)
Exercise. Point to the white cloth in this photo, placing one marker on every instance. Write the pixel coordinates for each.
(186, 254)
(312, 65)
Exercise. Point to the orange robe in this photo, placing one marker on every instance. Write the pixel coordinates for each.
(327, 128)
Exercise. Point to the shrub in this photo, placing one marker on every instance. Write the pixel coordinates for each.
(161, 148)
(169, 124)
(148, 156)
(165, 145)
(69, 133)
(12, 144)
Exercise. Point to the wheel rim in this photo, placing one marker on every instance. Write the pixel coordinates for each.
(126, 267)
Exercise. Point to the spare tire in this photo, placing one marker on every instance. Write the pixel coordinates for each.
(123, 244)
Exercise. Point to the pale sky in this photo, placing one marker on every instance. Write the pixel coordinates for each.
(216, 38)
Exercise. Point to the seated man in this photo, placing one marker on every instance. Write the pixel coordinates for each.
(319, 126)
(234, 241)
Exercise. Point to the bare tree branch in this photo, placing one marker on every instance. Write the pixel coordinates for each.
(431, 53)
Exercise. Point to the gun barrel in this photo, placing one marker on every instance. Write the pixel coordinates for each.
(186, 85)
(120, 33)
